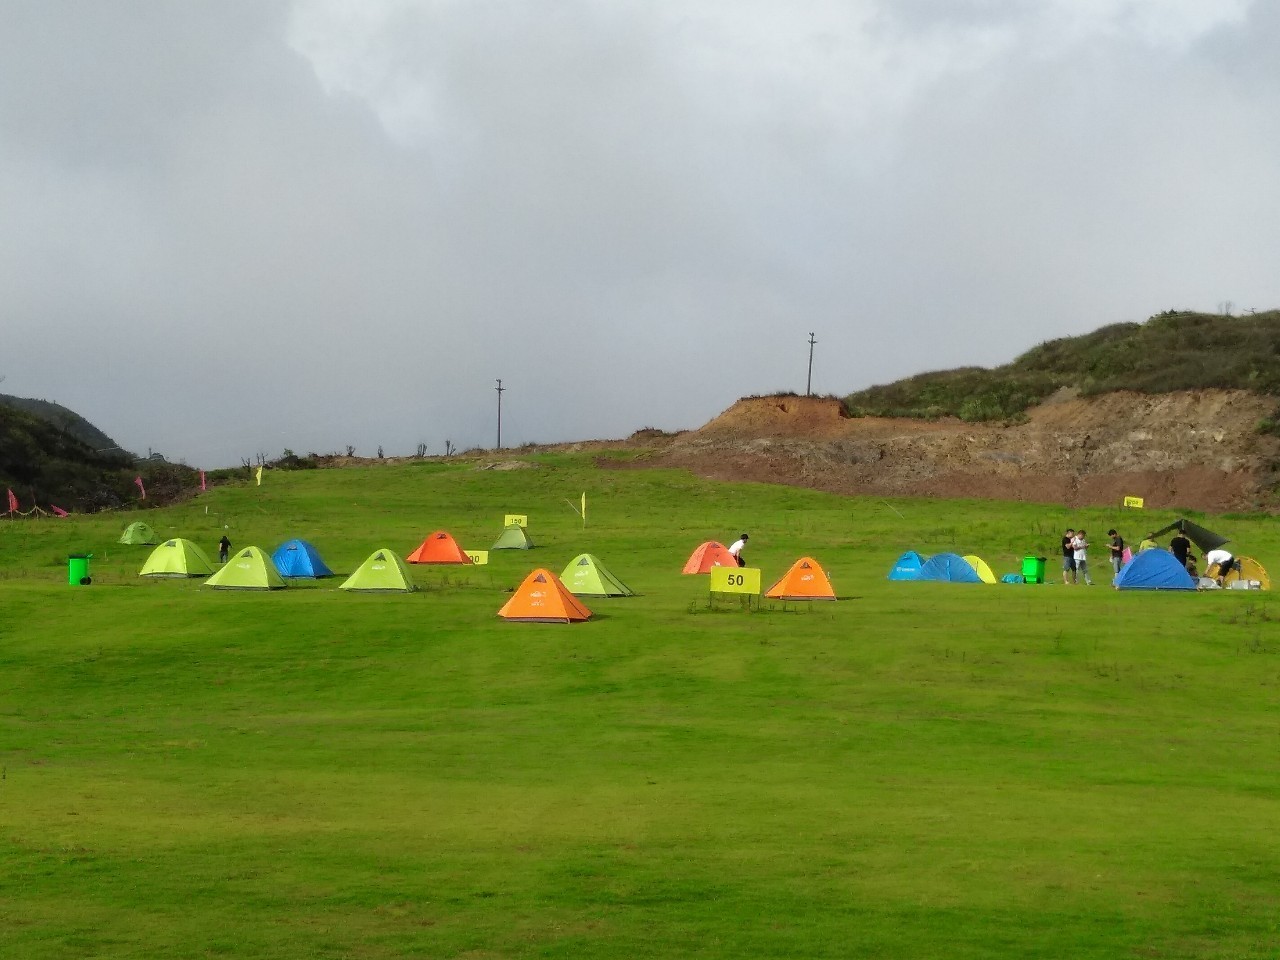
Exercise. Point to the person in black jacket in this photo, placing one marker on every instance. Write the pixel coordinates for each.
(1180, 547)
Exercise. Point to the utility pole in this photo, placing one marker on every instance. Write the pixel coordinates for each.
(500, 388)
(808, 384)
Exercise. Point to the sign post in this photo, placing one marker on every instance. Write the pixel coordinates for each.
(743, 581)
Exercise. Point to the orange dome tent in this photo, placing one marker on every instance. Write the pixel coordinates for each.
(804, 581)
(713, 553)
(542, 598)
(439, 547)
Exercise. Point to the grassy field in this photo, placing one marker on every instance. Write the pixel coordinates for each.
(919, 770)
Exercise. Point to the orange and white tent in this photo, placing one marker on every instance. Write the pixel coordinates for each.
(439, 547)
(804, 581)
(713, 553)
(542, 598)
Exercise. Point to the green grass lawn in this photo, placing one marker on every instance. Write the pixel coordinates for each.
(919, 770)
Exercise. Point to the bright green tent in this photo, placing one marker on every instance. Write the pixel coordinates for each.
(586, 576)
(176, 558)
(383, 571)
(250, 569)
(139, 532)
(514, 537)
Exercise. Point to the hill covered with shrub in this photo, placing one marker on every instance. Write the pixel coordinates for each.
(1174, 350)
(66, 420)
(46, 462)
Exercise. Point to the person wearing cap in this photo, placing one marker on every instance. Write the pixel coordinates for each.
(735, 549)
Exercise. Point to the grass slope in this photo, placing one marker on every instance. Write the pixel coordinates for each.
(918, 770)
(1171, 351)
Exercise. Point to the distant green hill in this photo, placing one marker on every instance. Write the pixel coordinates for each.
(1171, 351)
(49, 462)
(66, 420)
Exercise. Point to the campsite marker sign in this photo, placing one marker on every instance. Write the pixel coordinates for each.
(478, 557)
(735, 580)
(519, 519)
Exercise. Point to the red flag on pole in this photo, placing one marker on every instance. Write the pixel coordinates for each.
(57, 510)
(138, 481)
(201, 480)
(13, 503)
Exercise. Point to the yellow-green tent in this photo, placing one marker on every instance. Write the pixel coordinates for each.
(981, 569)
(177, 558)
(249, 569)
(383, 572)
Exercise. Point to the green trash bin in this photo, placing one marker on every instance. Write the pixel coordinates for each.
(78, 569)
(1033, 569)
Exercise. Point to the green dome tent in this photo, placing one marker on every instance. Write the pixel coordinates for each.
(514, 537)
(139, 532)
(384, 572)
(177, 558)
(586, 576)
(249, 569)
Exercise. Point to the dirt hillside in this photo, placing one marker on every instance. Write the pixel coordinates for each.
(1198, 450)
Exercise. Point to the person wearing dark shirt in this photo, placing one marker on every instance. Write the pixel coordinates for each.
(1068, 557)
(224, 548)
(1180, 547)
(1117, 553)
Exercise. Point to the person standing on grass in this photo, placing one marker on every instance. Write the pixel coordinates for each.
(1080, 554)
(1117, 553)
(1068, 558)
(735, 549)
(1180, 547)
(224, 548)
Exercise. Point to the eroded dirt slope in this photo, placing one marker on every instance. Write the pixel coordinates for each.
(1199, 450)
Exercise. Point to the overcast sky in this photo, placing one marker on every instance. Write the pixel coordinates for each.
(236, 226)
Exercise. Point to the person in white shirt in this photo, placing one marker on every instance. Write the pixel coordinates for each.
(735, 549)
(1080, 553)
(1223, 559)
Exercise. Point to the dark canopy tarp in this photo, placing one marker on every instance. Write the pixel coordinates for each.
(1206, 540)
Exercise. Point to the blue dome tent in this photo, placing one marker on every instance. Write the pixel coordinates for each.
(1154, 570)
(299, 560)
(907, 566)
(950, 568)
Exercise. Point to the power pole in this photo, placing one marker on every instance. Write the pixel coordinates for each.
(500, 388)
(808, 384)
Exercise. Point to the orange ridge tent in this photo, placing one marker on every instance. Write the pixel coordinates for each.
(439, 547)
(713, 553)
(542, 598)
(804, 581)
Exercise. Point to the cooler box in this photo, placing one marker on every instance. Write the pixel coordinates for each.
(1033, 569)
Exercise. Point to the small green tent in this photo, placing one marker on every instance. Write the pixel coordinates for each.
(514, 537)
(177, 558)
(383, 571)
(138, 532)
(250, 569)
(586, 576)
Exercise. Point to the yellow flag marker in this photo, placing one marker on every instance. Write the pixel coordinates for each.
(259, 474)
(1135, 502)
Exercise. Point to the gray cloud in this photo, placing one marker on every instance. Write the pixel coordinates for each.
(231, 228)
